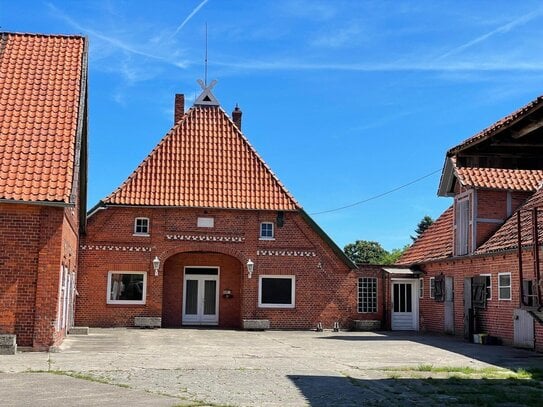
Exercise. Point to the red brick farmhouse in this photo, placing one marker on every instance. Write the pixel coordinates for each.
(203, 233)
(481, 258)
(43, 99)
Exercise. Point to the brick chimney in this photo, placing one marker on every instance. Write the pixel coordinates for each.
(236, 117)
(179, 108)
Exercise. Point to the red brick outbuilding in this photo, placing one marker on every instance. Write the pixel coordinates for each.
(43, 139)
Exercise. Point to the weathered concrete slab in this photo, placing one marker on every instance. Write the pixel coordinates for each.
(147, 322)
(79, 330)
(248, 368)
(256, 324)
(51, 390)
(8, 344)
(366, 325)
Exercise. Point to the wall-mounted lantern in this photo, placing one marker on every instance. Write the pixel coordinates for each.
(156, 265)
(250, 267)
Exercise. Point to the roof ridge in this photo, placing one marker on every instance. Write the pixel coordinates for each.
(211, 189)
(497, 125)
(29, 34)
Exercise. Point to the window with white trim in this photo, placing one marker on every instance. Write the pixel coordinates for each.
(488, 283)
(126, 287)
(432, 287)
(421, 287)
(266, 231)
(367, 294)
(276, 291)
(504, 286)
(141, 226)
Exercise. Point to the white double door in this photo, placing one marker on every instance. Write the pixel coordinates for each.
(201, 296)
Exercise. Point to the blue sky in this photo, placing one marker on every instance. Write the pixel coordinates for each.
(345, 100)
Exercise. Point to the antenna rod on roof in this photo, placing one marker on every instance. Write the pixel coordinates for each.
(205, 62)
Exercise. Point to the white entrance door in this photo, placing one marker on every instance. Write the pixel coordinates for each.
(201, 296)
(523, 325)
(404, 305)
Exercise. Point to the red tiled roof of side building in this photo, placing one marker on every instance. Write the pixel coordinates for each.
(41, 79)
(499, 178)
(204, 161)
(435, 243)
(506, 237)
(494, 128)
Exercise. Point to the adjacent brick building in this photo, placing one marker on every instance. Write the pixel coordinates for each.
(476, 280)
(203, 233)
(43, 138)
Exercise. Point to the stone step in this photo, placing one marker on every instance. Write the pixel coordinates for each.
(8, 344)
(78, 330)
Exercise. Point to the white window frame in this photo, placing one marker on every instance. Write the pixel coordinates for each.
(504, 286)
(205, 222)
(489, 287)
(432, 287)
(148, 226)
(374, 298)
(272, 237)
(126, 302)
(293, 290)
(421, 287)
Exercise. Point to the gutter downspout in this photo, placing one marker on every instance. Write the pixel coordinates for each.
(536, 255)
(520, 272)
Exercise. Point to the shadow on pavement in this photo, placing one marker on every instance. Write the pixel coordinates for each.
(348, 391)
(503, 356)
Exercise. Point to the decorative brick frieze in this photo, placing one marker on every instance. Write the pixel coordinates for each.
(207, 238)
(295, 253)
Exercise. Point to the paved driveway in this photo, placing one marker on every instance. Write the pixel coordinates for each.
(187, 366)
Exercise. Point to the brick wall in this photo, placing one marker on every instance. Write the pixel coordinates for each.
(497, 318)
(325, 288)
(33, 239)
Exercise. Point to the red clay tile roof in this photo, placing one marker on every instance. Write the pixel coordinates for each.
(204, 161)
(40, 91)
(494, 128)
(506, 237)
(499, 178)
(435, 243)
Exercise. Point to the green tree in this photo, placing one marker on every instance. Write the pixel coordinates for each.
(424, 224)
(393, 256)
(365, 251)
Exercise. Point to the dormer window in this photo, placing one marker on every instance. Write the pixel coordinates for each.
(266, 231)
(141, 226)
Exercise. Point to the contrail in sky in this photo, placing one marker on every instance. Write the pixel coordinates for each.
(502, 29)
(192, 14)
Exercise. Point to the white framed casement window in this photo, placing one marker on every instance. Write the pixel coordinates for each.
(432, 287)
(276, 291)
(266, 231)
(367, 294)
(126, 287)
(488, 283)
(141, 227)
(205, 222)
(504, 286)
(421, 287)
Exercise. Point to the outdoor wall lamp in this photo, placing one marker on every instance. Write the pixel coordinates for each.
(250, 267)
(156, 265)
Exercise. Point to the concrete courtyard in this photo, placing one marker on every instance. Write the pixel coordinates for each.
(220, 367)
